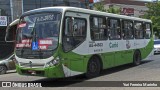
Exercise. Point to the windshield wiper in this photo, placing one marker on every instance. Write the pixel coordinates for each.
(34, 39)
(33, 33)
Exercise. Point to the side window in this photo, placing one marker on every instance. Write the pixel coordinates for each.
(68, 26)
(114, 29)
(147, 28)
(74, 32)
(127, 29)
(98, 28)
(139, 34)
(79, 28)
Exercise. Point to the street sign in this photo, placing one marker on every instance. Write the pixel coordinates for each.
(3, 20)
(34, 45)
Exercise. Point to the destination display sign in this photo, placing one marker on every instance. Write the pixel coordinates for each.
(43, 18)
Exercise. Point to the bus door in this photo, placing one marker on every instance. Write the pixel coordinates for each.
(73, 40)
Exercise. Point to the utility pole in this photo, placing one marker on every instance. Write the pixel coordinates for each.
(22, 7)
(11, 6)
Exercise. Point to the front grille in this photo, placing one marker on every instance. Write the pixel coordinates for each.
(28, 53)
(33, 65)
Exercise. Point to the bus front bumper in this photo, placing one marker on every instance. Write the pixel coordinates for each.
(50, 72)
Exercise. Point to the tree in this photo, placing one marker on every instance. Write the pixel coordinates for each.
(153, 13)
(114, 10)
(100, 7)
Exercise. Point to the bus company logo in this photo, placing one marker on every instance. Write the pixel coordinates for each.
(6, 84)
(113, 45)
(128, 45)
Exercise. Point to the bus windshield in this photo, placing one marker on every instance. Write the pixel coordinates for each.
(42, 28)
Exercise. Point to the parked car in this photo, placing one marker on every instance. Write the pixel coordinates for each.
(156, 46)
(7, 64)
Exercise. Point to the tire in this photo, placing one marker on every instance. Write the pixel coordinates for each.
(3, 69)
(137, 58)
(93, 67)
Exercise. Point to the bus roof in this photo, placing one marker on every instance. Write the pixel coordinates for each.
(82, 10)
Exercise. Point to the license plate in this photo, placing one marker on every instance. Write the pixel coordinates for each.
(32, 72)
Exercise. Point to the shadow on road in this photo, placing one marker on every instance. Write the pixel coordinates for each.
(77, 80)
(122, 67)
(60, 82)
(156, 53)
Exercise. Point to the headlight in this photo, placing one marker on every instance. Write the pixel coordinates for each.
(15, 61)
(53, 62)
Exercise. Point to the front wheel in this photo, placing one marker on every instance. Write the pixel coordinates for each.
(3, 69)
(93, 67)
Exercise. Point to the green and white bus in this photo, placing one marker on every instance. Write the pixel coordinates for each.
(60, 42)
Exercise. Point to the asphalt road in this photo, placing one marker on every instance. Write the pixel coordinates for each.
(149, 70)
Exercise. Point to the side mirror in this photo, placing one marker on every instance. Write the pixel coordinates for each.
(11, 31)
(9, 37)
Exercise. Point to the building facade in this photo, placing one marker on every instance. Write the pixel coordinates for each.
(14, 8)
(128, 7)
(5, 9)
